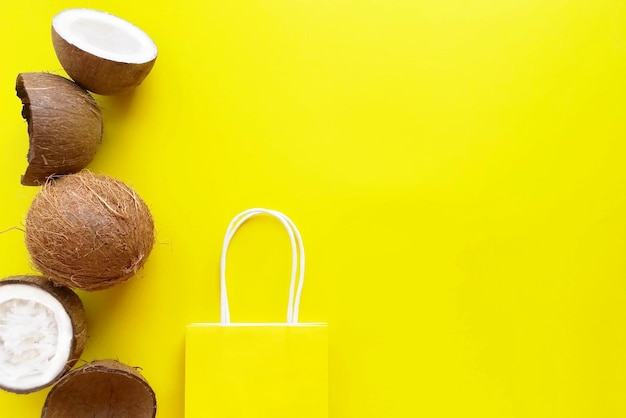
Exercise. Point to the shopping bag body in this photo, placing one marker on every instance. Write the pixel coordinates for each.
(256, 371)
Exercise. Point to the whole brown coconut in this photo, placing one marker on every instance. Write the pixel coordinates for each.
(102, 388)
(102, 52)
(88, 231)
(42, 332)
(64, 125)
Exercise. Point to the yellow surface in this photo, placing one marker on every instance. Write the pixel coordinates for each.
(456, 168)
(256, 371)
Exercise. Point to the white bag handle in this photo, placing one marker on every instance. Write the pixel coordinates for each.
(297, 251)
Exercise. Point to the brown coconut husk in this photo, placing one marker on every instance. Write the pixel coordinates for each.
(64, 126)
(102, 388)
(88, 231)
(74, 308)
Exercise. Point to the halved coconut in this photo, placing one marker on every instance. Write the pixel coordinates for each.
(64, 125)
(102, 388)
(101, 52)
(42, 332)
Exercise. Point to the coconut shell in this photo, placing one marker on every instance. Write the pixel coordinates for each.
(102, 388)
(64, 125)
(97, 74)
(74, 308)
(88, 231)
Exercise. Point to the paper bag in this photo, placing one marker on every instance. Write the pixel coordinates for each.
(258, 370)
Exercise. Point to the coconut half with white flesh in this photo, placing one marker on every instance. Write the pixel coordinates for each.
(42, 332)
(102, 52)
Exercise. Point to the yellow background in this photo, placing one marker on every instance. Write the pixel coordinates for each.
(456, 168)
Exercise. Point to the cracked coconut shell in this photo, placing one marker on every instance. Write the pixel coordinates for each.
(88, 231)
(64, 126)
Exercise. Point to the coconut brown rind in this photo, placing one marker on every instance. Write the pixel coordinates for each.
(64, 126)
(96, 74)
(74, 308)
(104, 388)
(88, 231)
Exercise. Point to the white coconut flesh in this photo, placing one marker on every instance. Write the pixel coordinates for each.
(105, 35)
(36, 336)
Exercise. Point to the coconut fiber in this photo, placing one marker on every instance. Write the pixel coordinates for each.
(88, 231)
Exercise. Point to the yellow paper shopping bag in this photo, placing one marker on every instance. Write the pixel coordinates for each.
(258, 370)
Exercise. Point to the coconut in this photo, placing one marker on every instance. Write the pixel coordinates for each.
(64, 125)
(42, 332)
(102, 388)
(88, 231)
(101, 52)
